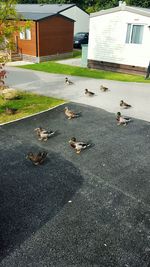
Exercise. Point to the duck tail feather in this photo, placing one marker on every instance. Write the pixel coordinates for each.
(88, 145)
(128, 119)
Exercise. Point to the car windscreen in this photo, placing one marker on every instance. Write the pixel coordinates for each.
(79, 36)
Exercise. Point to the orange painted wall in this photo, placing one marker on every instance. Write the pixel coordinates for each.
(28, 47)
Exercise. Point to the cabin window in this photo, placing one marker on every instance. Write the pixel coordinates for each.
(22, 35)
(25, 34)
(134, 34)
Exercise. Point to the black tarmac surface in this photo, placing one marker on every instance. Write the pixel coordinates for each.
(91, 209)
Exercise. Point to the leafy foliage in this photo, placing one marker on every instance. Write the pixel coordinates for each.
(8, 24)
(91, 5)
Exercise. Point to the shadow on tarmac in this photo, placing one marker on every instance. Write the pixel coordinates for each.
(31, 195)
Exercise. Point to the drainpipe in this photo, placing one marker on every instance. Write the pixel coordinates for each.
(37, 44)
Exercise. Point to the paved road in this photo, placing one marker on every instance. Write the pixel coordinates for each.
(91, 209)
(136, 94)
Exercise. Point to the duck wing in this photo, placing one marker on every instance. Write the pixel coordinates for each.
(35, 158)
(70, 82)
(125, 105)
(68, 112)
(91, 93)
(38, 156)
(41, 156)
(73, 145)
(44, 132)
(127, 119)
(122, 120)
(80, 145)
(71, 113)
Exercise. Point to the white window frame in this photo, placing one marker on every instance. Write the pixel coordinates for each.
(129, 33)
(22, 35)
(25, 34)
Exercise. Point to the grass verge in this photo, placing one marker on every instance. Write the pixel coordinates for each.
(77, 53)
(54, 67)
(28, 104)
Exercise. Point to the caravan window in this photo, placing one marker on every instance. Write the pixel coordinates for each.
(134, 34)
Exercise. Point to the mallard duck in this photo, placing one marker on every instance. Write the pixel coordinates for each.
(37, 158)
(89, 93)
(10, 111)
(124, 104)
(103, 88)
(43, 134)
(70, 114)
(68, 82)
(122, 120)
(78, 146)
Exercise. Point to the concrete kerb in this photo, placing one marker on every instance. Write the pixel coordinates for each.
(1, 124)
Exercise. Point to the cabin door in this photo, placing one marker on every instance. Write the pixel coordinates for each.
(16, 43)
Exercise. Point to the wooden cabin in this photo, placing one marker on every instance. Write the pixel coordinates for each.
(48, 36)
(72, 11)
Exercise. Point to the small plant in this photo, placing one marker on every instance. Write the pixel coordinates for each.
(2, 75)
(10, 94)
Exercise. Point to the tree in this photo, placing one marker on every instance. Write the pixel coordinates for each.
(8, 25)
(91, 5)
(140, 3)
(28, 1)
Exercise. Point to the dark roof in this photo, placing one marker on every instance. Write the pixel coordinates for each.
(41, 11)
(34, 16)
(43, 8)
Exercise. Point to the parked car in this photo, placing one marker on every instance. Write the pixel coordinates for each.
(80, 38)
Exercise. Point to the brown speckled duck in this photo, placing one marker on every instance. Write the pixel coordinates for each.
(78, 146)
(37, 158)
(124, 104)
(43, 134)
(70, 114)
(10, 111)
(103, 88)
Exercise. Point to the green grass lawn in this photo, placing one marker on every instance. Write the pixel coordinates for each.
(28, 104)
(54, 67)
(77, 53)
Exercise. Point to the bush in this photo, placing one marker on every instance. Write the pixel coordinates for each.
(10, 94)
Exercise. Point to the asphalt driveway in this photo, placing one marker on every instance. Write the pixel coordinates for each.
(91, 209)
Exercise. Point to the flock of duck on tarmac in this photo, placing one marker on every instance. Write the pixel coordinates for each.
(43, 134)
